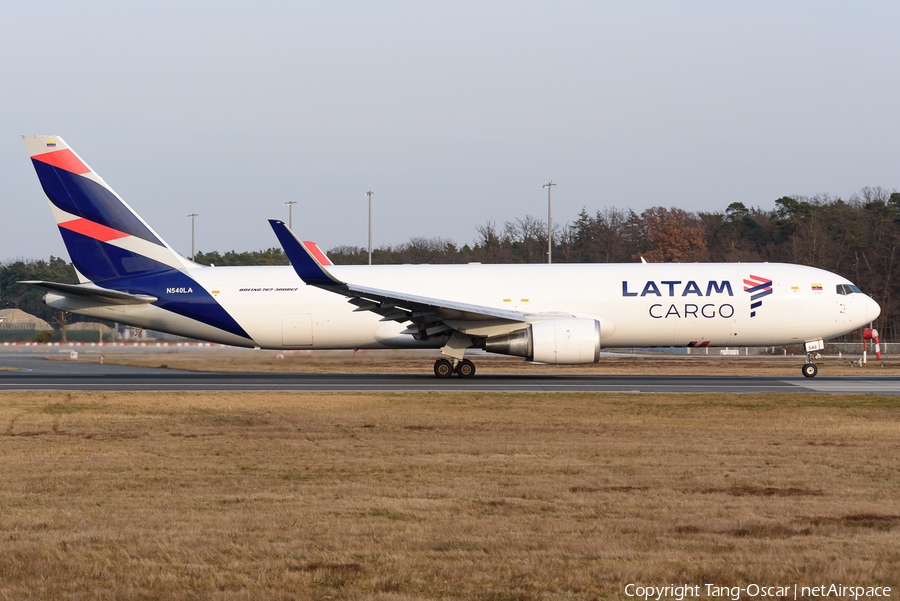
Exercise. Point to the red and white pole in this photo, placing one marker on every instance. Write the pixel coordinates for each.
(871, 334)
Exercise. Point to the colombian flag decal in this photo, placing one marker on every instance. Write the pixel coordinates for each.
(817, 287)
(51, 144)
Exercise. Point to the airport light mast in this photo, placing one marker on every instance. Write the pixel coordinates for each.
(549, 224)
(192, 215)
(369, 194)
(290, 204)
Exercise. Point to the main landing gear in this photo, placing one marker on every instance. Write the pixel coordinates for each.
(443, 368)
(809, 369)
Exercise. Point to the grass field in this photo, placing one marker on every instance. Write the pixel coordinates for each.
(451, 496)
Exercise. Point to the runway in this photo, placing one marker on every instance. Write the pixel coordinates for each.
(39, 374)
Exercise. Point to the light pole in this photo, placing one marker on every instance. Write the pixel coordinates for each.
(290, 204)
(549, 224)
(369, 194)
(192, 215)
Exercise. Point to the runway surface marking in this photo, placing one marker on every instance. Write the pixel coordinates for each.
(39, 374)
(877, 385)
(166, 380)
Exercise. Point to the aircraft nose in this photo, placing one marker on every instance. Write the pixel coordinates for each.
(873, 310)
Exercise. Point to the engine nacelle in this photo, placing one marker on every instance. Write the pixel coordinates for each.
(559, 341)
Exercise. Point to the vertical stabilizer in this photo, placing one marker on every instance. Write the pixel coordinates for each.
(105, 238)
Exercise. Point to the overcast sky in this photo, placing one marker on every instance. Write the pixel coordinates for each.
(452, 113)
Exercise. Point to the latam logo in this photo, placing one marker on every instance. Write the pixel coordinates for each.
(757, 287)
(690, 288)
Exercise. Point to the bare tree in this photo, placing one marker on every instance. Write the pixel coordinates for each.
(491, 246)
(427, 250)
(62, 320)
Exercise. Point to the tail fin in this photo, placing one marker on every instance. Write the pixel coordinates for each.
(105, 238)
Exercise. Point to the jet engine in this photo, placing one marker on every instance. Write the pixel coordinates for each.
(560, 341)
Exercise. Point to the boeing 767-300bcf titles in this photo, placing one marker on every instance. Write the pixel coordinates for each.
(560, 313)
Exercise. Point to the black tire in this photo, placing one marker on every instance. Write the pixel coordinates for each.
(465, 369)
(443, 368)
(810, 370)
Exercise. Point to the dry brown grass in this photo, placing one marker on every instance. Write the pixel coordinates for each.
(8, 368)
(430, 495)
(393, 362)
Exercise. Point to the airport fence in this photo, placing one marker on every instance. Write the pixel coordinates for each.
(29, 332)
(18, 326)
(831, 348)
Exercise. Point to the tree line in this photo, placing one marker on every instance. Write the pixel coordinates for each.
(857, 237)
(19, 296)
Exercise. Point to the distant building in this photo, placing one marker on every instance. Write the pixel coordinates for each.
(82, 326)
(16, 319)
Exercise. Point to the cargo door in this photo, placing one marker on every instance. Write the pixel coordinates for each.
(296, 329)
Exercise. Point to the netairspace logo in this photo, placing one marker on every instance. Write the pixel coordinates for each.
(751, 591)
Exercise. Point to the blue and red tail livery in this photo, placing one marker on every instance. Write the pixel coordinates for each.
(104, 236)
(112, 247)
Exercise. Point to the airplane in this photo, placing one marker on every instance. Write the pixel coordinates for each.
(551, 314)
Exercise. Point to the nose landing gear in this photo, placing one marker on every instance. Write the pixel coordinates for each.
(443, 368)
(809, 369)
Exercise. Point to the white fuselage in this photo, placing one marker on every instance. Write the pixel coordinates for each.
(636, 304)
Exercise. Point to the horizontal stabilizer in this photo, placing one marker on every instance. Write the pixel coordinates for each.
(92, 293)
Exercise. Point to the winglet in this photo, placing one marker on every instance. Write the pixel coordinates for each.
(313, 248)
(304, 262)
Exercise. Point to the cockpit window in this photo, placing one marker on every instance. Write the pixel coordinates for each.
(847, 289)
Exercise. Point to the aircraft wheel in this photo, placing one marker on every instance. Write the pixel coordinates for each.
(810, 370)
(465, 369)
(443, 368)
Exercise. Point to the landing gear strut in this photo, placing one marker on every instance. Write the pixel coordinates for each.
(809, 369)
(455, 348)
(443, 368)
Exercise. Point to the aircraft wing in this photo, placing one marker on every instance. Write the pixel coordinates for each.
(397, 306)
(444, 308)
(92, 293)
